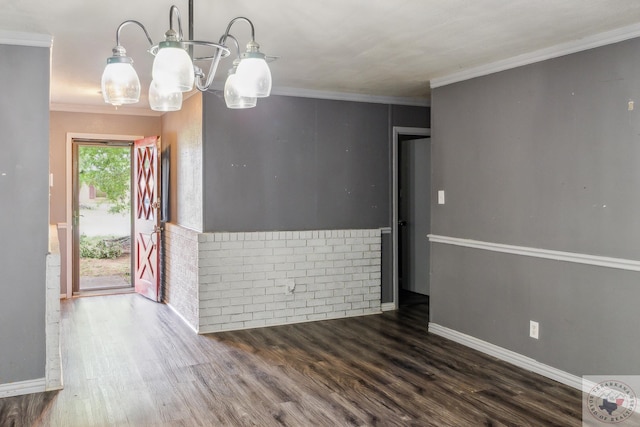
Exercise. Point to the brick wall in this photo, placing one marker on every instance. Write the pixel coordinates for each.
(181, 274)
(258, 279)
(53, 363)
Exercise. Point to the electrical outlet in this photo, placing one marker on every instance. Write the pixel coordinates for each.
(534, 329)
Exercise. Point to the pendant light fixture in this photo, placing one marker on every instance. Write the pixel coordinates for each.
(164, 100)
(172, 67)
(120, 83)
(252, 73)
(233, 88)
(174, 70)
(233, 92)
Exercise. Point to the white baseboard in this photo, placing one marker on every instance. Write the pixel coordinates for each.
(512, 357)
(22, 387)
(209, 330)
(55, 387)
(388, 306)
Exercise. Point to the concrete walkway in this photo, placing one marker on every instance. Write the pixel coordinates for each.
(102, 282)
(97, 221)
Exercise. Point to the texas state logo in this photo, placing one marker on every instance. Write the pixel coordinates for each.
(611, 401)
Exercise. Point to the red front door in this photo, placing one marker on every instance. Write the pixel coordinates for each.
(146, 227)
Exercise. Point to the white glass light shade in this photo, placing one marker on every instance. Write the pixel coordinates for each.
(162, 100)
(173, 68)
(120, 84)
(254, 77)
(232, 95)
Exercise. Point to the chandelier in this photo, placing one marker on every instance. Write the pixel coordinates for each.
(174, 70)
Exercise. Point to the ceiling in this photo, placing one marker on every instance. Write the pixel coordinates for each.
(373, 47)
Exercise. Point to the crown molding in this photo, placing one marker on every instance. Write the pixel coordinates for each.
(219, 87)
(109, 109)
(585, 43)
(339, 96)
(25, 39)
(355, 97)
(106, 109)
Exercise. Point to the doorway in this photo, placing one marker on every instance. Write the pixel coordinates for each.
(101, 216)
(411, 215)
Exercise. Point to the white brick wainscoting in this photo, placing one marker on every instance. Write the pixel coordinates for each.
(255, 279)
(181, 274)
(53, 363)
(268, 278)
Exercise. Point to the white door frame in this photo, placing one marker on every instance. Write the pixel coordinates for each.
(69, 193)
(397, 131)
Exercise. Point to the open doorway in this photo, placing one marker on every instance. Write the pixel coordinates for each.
(102, 219)
(411, 215)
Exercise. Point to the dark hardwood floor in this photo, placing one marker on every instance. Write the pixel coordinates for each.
(131, 362)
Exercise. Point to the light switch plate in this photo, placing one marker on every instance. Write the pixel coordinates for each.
(441, 197)
(534, 329)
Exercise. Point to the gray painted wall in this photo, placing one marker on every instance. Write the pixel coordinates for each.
(299, 163)
(546, 156)
(24, 210)
(587, 314)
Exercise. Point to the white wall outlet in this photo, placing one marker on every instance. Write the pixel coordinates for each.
(441, 197)
(534, 329)
(630, 106)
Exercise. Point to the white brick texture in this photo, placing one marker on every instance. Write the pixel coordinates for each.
(53, 363)
(181, 274)
(256, 279)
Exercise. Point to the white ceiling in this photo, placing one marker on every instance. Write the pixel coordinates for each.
(375, 47)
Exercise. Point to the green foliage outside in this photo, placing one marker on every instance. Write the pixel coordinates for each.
(99, 247)
(108, 169)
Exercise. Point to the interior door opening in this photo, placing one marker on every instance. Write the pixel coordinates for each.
(102, 219)
(411, 216)
(414, 215)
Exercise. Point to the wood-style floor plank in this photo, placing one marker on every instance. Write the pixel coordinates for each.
(130, 362)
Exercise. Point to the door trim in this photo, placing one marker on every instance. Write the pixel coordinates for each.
(397, 131)
(69, 195)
